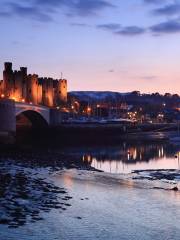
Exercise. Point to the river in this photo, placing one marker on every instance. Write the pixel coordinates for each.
(107, 205)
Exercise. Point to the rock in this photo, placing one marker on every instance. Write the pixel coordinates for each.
(175, 189)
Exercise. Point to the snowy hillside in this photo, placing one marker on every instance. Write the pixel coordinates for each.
(96, 95)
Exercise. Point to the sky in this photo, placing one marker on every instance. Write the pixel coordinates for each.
(104, 45)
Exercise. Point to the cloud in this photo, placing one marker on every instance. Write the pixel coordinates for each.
(131, 31)
(154, 1)
(45, 10)
(80, 25)
(30, 12)
(76, 7)
(109, 26)
(23, 10)
(89, 7)
(120, 30)
(168, 10)
(167, 27)
(5, 14)
(149, 77)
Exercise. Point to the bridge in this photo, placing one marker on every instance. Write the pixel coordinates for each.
(38, 115)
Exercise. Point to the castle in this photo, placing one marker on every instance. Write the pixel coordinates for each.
(29, 88)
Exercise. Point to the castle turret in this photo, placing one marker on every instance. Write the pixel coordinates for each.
(32, 89)
(62, 91)
(23, 70)
(8, 81)
(24, 82)
(8, 66)
(47, 91)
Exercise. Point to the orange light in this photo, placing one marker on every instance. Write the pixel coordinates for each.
(57, 108)
(23, 100)
(30, 103)
(2, 95)
(98, 106)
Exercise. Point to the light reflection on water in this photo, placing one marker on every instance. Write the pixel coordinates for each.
(128, 157)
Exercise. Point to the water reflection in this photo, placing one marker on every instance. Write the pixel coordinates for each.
(131, 156)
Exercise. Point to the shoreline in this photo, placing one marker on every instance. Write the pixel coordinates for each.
(127, 180)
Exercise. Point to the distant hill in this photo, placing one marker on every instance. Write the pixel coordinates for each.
(135, 97)
(97, 95)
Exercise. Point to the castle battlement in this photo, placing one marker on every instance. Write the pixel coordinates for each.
(30, 88)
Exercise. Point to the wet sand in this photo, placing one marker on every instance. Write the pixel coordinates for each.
(103, 207)
(26, 193)
(47, 194)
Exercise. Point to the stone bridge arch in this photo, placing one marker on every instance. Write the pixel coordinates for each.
(38, 115)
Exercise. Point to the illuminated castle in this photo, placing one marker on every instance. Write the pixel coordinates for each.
(21, 87)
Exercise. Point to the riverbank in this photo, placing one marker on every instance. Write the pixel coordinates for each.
(106, 133)
(39, 156)
(91, 133)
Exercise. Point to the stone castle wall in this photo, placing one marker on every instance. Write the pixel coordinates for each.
(19, 86)
(1, 87)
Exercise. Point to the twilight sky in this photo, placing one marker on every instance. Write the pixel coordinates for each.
(118, 45)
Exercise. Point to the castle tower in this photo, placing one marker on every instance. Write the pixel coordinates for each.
(47, 91)
(20, 84)
(24, 82)
(62, 91)
(1, 88)
(32, 89)
(8, 81)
